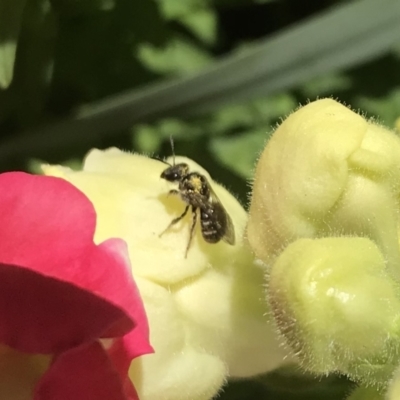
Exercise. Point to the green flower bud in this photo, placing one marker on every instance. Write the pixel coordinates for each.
(366, 393)
(326, 172)
(324, 218)
(335, 303)
(393, 392)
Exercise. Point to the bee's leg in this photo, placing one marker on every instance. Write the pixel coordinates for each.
(194, 220)
(174, 192)
(175, 220)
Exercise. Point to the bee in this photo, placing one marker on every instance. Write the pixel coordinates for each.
(195, 190)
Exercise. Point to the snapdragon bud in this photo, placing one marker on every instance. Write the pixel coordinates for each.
(326, 172)
(366, 393)
(324, 218)
(337, 306)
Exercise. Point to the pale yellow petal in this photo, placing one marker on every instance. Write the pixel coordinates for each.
(206, 311)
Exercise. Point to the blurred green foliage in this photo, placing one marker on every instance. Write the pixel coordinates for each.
(288, 384)
(217, 75)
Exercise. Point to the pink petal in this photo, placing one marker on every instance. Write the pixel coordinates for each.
(45, 222)
(43, 315)
(121, 360)
(82, 373)
(47, 229)
(113, 288)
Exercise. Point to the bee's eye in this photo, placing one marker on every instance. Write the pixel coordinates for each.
(171, 175)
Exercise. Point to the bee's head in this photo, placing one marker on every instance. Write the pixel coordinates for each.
(175, 173)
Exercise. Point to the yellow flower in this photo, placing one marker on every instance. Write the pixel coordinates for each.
(206, 312)
(324, 218)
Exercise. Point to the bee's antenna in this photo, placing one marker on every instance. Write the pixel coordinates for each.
(173, 149)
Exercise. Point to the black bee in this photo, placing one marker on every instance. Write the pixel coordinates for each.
(195, 190)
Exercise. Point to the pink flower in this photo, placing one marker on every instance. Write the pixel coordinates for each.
(60, 293)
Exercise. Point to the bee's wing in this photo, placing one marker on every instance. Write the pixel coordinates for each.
(229, 235)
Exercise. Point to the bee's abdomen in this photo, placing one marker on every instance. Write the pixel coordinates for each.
(211, 228)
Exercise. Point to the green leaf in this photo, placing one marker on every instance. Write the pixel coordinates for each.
(325, 85)
(262, 112)
(96, 54)
(179, 56)
(233, 3)
(173, 9)
(196, 15)
(11, 12)
(34, 165)
(285, 60)
(82, 7)
(263, 1)
(274, 107)
(34, 64)
(146, 139)
(7, 57)
(231, 117)
(178, 129)
(203, 23)
(346, 35)
(386, 109)
(291, 387)
(240, 153)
